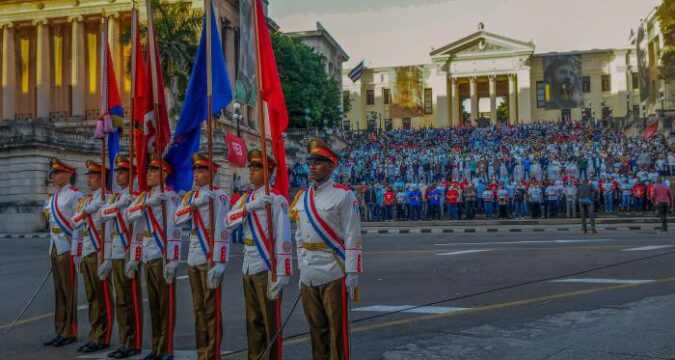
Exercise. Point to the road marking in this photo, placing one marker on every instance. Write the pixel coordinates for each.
(177, 354)
(359, 329)
(410, 309)
(647, 248)
(603, 281)
(564, 241)
(462, 252)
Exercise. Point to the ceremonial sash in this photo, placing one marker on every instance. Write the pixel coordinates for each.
(120, 225)
(59, 219)
(153, 226)
(93, 233)
(200, 229)
(259, 236)
(324, 231)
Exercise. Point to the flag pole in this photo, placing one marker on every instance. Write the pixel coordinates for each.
(103, 110)
(132, 130)
(158, 141)
(263, 139)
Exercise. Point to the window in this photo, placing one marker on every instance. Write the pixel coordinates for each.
(386, 96)
(345, 97)
(406, 123)
(541, 94)
(370, 97)
(634, 79)
(586, 84)
(606, 83)
(428, 102)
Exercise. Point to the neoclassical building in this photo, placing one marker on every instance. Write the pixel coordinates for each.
(489, 78)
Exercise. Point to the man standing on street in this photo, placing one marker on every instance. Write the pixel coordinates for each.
(663, 200)
(586, 195)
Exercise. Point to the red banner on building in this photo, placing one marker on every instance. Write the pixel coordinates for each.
(236, 147)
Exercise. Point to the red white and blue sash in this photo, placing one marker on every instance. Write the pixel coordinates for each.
(59, 219)
(153, 226)
(200, 228)
(325, 232)
(120, 225)
(94, 235)
(259, 238)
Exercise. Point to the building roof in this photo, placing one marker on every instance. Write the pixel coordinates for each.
(322, 33)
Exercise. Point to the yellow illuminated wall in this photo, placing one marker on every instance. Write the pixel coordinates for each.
(25, 62)
(93, 57)
(58, 60)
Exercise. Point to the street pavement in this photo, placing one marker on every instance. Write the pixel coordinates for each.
(483, 295)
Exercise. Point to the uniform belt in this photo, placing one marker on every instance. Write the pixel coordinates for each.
(56, 230)
(194, 232)
(147, 234)
(315, 246)
(249, 242)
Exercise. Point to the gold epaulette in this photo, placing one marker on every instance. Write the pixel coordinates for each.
(186, 197)
(292, 213)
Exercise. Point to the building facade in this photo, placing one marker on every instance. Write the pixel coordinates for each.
(488, 78)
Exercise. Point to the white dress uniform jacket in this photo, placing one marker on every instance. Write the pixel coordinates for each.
(118, 232)
(59, 209)
(87, 238)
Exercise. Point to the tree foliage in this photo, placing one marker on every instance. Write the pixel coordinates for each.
(306, 84)
(666, 14)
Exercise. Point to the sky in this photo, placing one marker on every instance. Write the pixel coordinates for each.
(403, 32)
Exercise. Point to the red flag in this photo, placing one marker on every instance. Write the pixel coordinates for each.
(143, 130)
(272, 96)
(651, 129)
(165, 133)
(236, 147)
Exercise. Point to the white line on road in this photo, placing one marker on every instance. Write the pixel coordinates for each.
(565, 241)
(603, 281)
(647, 248)
(411, 309)
(177, 354)
(462, 252)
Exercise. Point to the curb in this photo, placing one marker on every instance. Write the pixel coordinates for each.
(437, 230)
(492, 223)
(25, 236)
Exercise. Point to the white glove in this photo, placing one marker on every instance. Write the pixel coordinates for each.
(170, 271)
(259, 203)
(126, 200)
(104, 269)
(277, 286)
(130, 269)
(93, 207)
(204, 197)
(154, 200)
(352, 283)
(77, 260)
(215, 275)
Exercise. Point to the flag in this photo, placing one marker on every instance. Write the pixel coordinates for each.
(245, 90)
(651, 129)
(147, 139)
(357, 71)
(236, 149)
(111, 118)
(185, 140)
(272, 95)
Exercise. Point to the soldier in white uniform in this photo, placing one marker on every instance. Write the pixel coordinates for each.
(205, 280)
(88, 243)
(261, 294)
(329, 243)
(128, 295)
(59, 209)
(151, 244)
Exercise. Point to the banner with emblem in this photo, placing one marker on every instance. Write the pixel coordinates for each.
(236, 149)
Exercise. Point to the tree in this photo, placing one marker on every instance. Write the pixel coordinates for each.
(177, 29)
(666, 14)
(306, 84)
(503, 112)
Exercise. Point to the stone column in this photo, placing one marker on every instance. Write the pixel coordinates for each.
(513, 106)
(493, 99)
(77, 86)
(455, 105)
(42, 70)
(8, 72)
(474, 98)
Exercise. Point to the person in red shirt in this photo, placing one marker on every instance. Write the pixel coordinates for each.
(650, 196)
(452, 197)
(638, 197)
(389, 203)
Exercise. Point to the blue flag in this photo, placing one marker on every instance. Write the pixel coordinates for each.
(185, 139)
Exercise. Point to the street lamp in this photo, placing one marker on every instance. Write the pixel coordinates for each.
(307, 121)
(237, 116)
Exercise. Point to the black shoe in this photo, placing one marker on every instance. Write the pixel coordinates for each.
(94, 348)
(113, 354)
(53, 340)
(150, 356)
(165, 357)
(88, 344)
(65, 341)
(127, 353)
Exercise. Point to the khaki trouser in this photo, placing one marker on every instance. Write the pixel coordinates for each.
(162, 306)
(326, 311)
(129, 306)
(100, 301)
(263, 317)
(65, 278)
(208, 318)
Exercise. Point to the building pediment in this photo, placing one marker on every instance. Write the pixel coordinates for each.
(483, 44)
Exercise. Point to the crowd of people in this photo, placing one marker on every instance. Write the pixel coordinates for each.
(514, 172)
